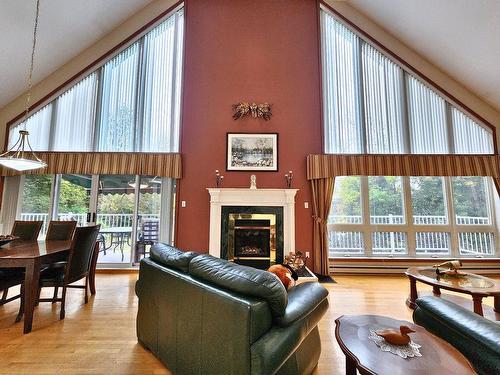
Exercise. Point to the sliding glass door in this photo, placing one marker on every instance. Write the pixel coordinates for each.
(134, 211)
(35, 200)
(115, 214)
(73, 197)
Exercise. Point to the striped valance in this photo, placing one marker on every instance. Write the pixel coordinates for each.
(146, 164)
(332, 165)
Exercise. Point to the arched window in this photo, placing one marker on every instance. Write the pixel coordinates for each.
(131, 103)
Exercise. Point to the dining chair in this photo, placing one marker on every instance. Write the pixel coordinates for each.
(76, 268)
(25, 230)
(10, 277)
(148, 235)
(60, 230)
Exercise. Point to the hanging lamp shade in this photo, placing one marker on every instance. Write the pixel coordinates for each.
(21, 156)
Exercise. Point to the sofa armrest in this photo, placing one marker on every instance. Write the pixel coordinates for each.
(474, 336)
(302, 300)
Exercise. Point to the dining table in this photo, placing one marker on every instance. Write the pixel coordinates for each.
(32, 256)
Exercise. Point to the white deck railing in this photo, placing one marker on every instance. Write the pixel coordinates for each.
(106, 220)
(399, 219)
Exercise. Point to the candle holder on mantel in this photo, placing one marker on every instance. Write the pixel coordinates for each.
(218, 178)
(288, 179)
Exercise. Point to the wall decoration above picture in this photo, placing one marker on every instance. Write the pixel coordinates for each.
(254, 110)
(252, 152)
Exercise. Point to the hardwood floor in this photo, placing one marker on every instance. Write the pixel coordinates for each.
(99, 338)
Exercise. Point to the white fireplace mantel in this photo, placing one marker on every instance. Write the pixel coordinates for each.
(251, 197)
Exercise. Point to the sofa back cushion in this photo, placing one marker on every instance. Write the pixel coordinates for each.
(171, 256)
(241, 279)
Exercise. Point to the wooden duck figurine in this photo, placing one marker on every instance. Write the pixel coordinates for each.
(395, 337)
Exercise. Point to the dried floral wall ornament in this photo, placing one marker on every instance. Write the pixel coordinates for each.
(243, 109)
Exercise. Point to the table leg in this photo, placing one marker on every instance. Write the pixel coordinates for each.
(497, 304)
(31, 280)
(93, 265)
(478, 305)
(436, 291)
(413, 293)
(350, 366)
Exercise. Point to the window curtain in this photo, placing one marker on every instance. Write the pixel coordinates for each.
(496, 182)
(162, 165)
(162, 85)
(118, 104)
(322, 193)
(38, 125)
(331, 165)
(9, 203)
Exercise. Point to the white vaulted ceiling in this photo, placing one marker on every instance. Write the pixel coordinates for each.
(460, 37)
(66, 28)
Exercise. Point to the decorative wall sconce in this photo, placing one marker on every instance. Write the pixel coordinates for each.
(288, 179)
(218, 178)
(254, 110)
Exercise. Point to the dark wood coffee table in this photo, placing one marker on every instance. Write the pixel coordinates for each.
(468, 283)
(438, 357)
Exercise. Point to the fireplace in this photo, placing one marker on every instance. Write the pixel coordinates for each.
(239, 201)
(252, 236)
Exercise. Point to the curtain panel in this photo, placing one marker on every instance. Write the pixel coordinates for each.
(147, 164)
(323, 168)
(322, 194)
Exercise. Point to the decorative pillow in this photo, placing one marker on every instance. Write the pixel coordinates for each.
(285, 273)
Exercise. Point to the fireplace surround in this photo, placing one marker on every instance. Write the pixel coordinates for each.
(241, 201)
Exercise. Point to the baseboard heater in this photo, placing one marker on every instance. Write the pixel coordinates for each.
(398, 266)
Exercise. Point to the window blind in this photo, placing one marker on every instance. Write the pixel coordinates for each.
(74, 117)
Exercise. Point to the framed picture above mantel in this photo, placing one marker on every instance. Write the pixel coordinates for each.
(252, 152)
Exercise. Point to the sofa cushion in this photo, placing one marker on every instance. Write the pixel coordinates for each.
(241, 279)
(171, 256)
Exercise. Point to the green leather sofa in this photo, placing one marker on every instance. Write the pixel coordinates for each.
(204, 315)
(475, 337)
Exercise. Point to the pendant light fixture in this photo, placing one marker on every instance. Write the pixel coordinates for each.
(21, 156)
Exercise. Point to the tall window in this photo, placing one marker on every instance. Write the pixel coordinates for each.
(372, 105)
(131, 103)
(413, 216)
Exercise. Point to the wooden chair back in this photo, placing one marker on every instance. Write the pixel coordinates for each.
(81, 252)
(27, 230)
(60, 230)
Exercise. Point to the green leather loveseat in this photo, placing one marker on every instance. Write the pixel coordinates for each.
(204, 315)
(475, 337)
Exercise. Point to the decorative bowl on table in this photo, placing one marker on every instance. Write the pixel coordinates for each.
(6, 238)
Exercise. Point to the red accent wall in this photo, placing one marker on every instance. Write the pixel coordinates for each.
(251, 50)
